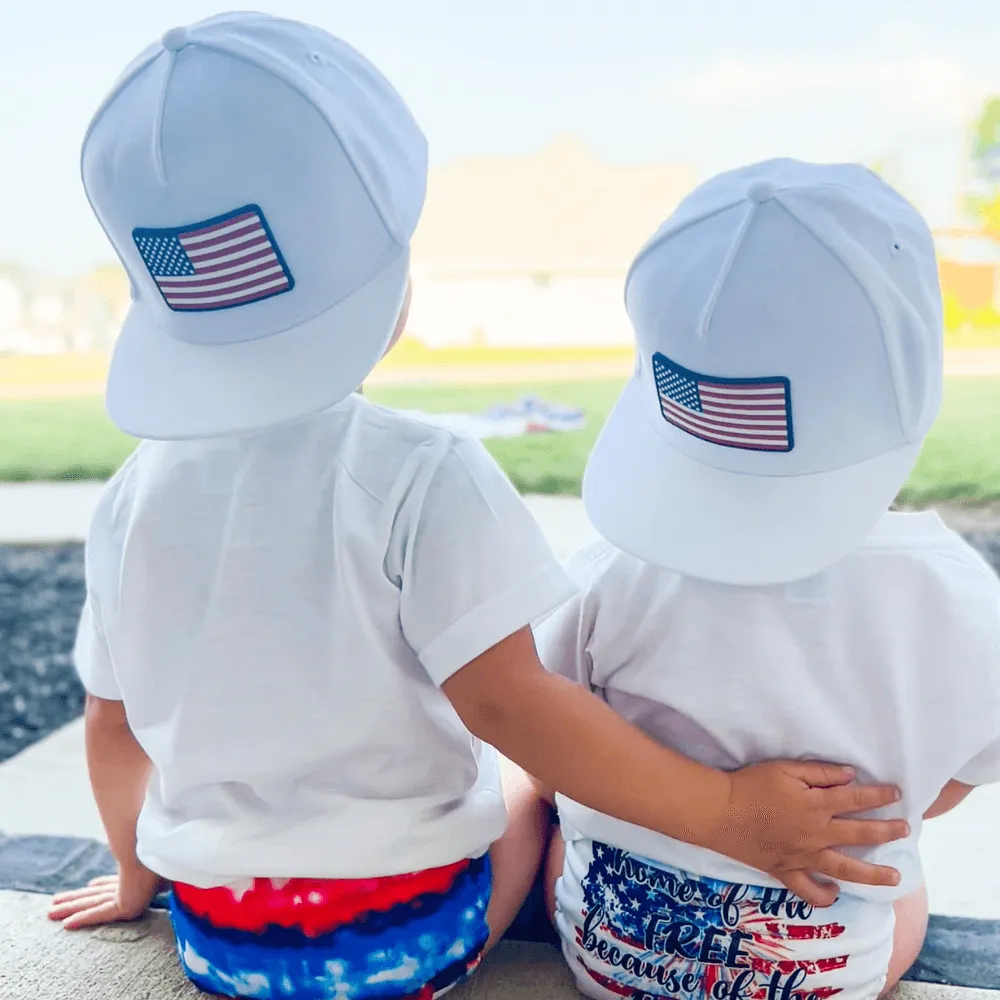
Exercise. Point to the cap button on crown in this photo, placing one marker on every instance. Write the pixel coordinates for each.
(176, 38)
(761, 191)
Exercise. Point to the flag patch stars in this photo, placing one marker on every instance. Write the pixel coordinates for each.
(749, 414)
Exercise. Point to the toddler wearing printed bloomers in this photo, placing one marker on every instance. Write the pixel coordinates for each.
(752, 598)
(307, 617)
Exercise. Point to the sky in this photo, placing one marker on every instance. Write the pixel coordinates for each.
(714, 83)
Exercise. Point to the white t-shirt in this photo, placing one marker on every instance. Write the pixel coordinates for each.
(277, 612)
(888, 661)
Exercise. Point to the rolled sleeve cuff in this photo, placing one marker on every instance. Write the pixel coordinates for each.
(985, 772)
(506, 613)
(92, 661)
(100, 686)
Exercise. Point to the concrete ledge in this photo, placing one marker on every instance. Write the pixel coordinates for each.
(137, 962)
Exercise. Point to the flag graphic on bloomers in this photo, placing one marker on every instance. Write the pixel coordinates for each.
(650, 931)
(227, 261)
(752, 414)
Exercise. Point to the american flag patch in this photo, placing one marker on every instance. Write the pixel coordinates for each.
(754, 414)
(220, 263)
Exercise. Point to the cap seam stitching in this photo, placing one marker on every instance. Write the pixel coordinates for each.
(120, 86)
(113, 95)
(221, 47)
(654, 241)
(161, 170)
(864, 291)
(725, 271)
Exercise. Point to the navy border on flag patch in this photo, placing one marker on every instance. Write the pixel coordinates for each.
(224, 262)
(749, 414)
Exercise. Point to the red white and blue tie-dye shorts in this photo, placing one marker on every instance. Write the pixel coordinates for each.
(404, 936)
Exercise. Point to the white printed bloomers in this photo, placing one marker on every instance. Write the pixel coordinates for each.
(637, 929)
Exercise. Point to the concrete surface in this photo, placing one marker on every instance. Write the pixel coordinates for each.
(137, 962)
(39, 960)
(46, 512)
(45, 789)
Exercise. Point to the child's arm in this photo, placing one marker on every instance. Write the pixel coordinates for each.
(771, 816)
(473, 570)
(545, 792)
(951, 795)
(119, 772)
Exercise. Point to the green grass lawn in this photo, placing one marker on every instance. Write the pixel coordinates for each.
(71, 439)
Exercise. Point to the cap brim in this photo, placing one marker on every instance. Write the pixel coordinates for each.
(163, 388)
(658, 504)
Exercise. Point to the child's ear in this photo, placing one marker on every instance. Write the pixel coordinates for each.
(404, 312)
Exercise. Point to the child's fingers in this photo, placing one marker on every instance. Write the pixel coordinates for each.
(804, 886)
(867, 832)
(60, 911)
(71, 894)
(855, 798)
(104, 913)
(84, 898)
(103, 880)
(820, 774)
(845, 869)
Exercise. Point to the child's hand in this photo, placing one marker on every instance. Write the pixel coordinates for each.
(781, 819)
(111, 899)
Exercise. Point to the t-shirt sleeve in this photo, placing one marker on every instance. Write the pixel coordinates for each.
(93, 657)
(562, 637)
(476, 566)
(92, 650)
(983, 606)
(984, 768)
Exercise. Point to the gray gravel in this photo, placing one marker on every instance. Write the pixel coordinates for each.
(988, 543)
(41, 593)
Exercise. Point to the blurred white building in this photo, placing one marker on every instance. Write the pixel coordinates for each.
(533, 250)
(511, 251)
(45, 315)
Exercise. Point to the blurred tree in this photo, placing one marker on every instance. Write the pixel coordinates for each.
(985, 201)
(986, 133)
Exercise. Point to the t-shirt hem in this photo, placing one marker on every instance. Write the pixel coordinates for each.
(519, 605)
(237, 866)
(581, 823)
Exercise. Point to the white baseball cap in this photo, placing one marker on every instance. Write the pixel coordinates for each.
(260, 181)
(789, 364)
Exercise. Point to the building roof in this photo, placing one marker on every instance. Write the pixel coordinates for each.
(561, 208)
